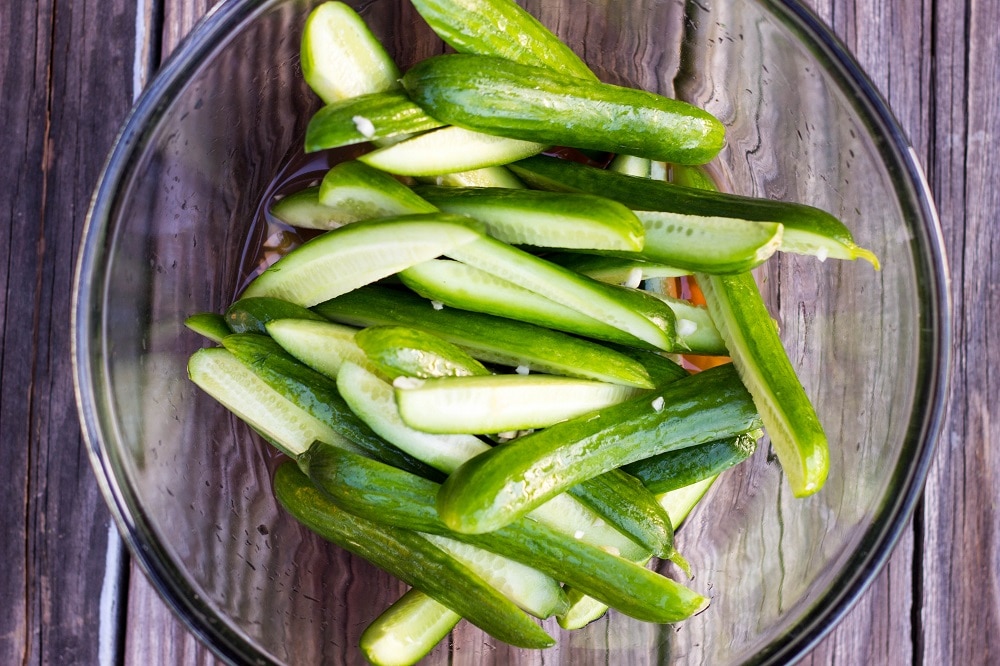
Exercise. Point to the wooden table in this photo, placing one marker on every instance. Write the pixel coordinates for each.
(70, 70)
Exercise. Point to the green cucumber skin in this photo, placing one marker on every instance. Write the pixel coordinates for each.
(500, 28)
(465, 287)
(409, 352)
(381, 493)
(407, 631)
(662, 370)
(358, 254)
(560, 211)
(683, 467)
(249, 315)
(369, 193)
(797, 436)
(277, 419)
(656, 195)
(708, 244)
(505, 482)
(303, 209)
(450, 149)
(209, 324)
(409, 557)
(317, 395)
(496, 96)
(585, 295)
(391, 114)
(622, 501)
(487, 338)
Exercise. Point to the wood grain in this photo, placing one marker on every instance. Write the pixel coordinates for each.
(66, 88)
(67, 71)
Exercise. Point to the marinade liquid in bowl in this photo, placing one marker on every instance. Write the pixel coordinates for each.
(190, 486)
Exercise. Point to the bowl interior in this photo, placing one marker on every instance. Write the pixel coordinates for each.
(191, 486)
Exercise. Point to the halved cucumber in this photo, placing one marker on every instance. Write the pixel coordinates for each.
(360, 192)
(322, 345)
(499, 403)
(533, 591)
(408, 630)
(447, 150)
(409, 352)
(545, 219)
(241, 391)
(303, 209)
(373, 400)
(341, 57)
(344, 259)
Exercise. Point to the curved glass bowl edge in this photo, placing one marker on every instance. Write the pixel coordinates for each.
(169, 581)
(197, 615)
(878, 543)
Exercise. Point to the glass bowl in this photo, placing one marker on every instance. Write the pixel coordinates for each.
(190, 486)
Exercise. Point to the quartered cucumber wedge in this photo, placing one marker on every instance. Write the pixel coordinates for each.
(344, 259)
(500, 403)
(209, 324)
(564, 286)
(447, 150)
(303, 209)
(533, 592)
(360, 192)
(544, 219)
(372, 117)
(286, 425)
(708, 244)
(466, 287)
(322, 345)
(400, 351)
(374, 401)
(487, 338)
(807, 230)
(758, 354)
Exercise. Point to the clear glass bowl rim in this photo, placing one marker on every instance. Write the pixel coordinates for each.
(197, 615)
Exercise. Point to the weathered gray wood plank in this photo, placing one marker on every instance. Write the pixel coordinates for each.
(961, 595)
(66, 85)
